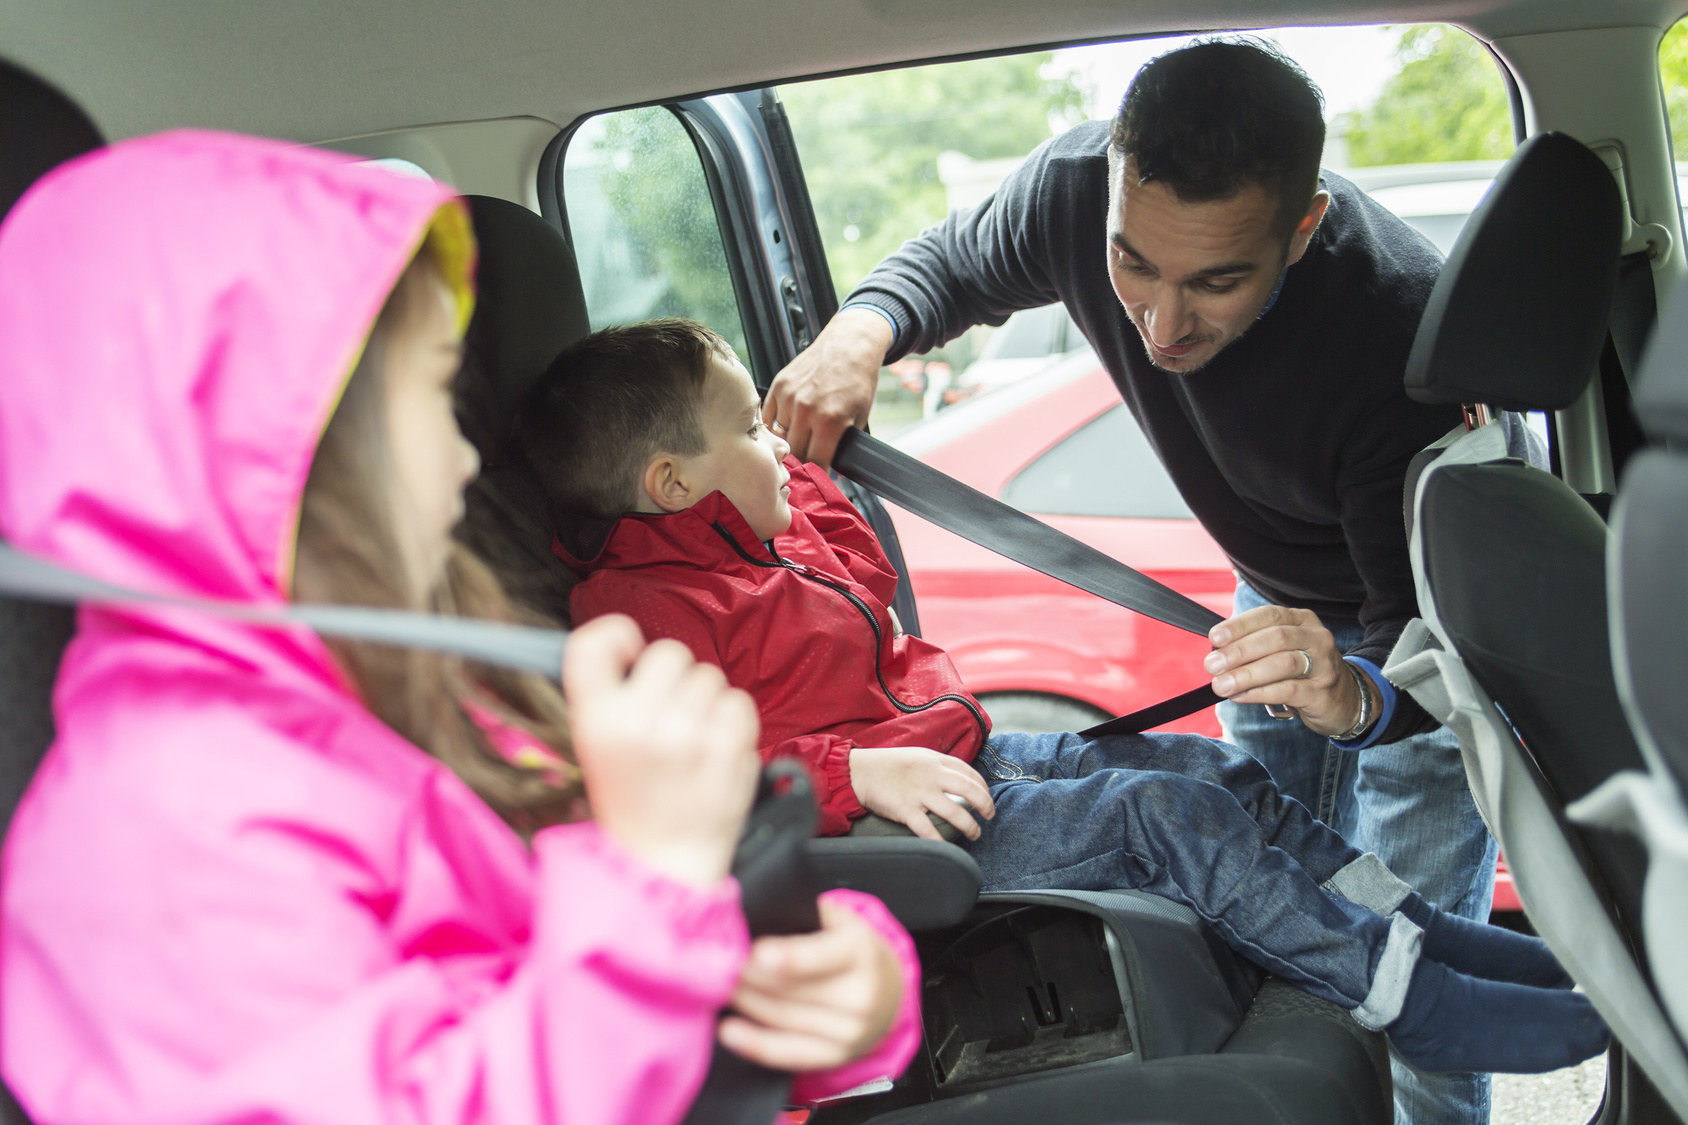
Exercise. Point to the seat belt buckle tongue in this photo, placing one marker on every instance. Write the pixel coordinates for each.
(1280, 711)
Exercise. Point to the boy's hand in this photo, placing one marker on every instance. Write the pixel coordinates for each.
(904, 783)
(668, 750)
(815, 1001)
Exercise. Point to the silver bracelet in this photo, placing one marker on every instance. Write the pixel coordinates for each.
(1364, 721)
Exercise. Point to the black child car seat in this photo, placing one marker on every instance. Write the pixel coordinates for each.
(1647, 560)
(1072, 1006)
(1511, 652)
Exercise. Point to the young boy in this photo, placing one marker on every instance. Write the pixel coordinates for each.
(680, 509)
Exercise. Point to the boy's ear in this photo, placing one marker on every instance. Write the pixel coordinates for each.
(663, 486)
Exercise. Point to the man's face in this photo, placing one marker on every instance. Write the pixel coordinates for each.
(1194, 276)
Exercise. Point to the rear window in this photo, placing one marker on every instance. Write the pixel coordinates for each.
(1103, 468)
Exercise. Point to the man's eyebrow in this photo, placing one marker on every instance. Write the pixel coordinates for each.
(1125, 247)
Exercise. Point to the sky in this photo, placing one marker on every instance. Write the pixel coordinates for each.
(1350, 64)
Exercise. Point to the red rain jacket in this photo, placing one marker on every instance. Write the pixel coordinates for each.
(803, 628)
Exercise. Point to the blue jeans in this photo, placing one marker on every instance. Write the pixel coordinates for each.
(1410, 803)
(1197, 822)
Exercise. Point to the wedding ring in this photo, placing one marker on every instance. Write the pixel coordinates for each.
(780, 428)
(1306, 663)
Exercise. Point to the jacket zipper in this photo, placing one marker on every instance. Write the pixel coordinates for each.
(878, 634)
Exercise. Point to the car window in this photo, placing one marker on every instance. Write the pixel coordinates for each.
(643, 225)
(1417, 114)
(1104, 468)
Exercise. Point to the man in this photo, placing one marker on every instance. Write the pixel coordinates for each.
(1256, 317)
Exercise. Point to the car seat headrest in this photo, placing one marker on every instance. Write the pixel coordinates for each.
(530, 306)
(1661, 390)
(40, 129)
(1518, 317)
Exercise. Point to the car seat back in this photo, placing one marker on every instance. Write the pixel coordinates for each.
(40, 129)
(1649, 611)
(1511, 651)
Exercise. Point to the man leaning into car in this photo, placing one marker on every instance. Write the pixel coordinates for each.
(1256, 316)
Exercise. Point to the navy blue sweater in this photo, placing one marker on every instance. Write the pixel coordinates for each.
(1291, 445)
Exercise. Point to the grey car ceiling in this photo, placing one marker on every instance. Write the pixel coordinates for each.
(313, 69)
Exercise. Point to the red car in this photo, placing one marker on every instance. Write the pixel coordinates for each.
(1040, 654)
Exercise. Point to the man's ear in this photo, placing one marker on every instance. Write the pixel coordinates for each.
(1303, 233)
(663, 487)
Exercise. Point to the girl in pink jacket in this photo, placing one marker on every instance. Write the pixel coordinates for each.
(261, 877)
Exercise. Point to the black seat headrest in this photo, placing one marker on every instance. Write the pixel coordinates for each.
(40, 129)
(1661, 390)
(1518, 317)
(529, 307)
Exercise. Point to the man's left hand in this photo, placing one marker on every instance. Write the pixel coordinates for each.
(1257, 658)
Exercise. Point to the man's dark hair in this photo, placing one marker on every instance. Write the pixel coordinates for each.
(608, 404)
(1210, 119)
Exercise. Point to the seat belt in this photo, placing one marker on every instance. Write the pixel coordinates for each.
(523, 648)
(987, 521)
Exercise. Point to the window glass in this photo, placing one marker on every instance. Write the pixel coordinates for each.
(1104, 468)
(1673, 76)
(1417, 115)
(643, 225)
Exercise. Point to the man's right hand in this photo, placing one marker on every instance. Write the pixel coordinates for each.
(830, 386)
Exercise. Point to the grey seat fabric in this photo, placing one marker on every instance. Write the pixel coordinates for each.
(1649, 609)
(1511, 651)
(40, 129)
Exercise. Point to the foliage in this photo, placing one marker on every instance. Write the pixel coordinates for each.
(644, 226)
(1673, 73)
(1447, 102)
(870, 142)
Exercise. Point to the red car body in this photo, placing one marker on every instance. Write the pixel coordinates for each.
(1011, 629)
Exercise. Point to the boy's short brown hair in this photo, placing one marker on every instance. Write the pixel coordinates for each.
(611, 402)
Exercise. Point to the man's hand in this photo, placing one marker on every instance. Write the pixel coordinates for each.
(830, 386)
(815, 1001)
(904, 783)
(1257, 659)
(667, 749)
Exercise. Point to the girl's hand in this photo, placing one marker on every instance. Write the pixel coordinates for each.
(1257, 659)
(815, 1001)
(904, 783)
(668, 750)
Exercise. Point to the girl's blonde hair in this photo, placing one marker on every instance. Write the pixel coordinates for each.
(348, 554)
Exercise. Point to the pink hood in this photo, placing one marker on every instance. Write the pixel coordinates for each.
(231, 893)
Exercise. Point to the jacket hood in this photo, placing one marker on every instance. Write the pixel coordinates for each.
(178, 317)
(688, 537)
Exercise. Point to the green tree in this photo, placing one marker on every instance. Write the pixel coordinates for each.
(666, 257)
(1673, 73)
(1447, 102)
(870, 143)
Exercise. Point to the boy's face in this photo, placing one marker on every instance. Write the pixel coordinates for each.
(744, 458)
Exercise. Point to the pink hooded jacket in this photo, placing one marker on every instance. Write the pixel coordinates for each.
(231, 893)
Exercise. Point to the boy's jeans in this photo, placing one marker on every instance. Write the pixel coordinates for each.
(1409, 802)
(1200, 823)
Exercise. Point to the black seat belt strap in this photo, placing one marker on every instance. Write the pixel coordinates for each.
(981, 519)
